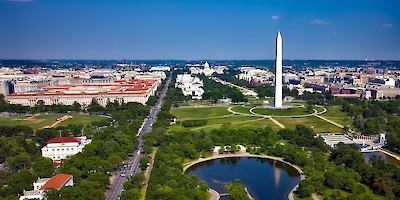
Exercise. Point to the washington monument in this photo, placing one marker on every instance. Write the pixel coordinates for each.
(278, 72)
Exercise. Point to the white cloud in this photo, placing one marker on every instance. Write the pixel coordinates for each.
(387, 25)
(320, 22)
(274, 17)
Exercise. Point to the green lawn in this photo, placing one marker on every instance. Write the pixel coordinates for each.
(241, 109)
(12, 121)
(231, 119)
(336, 193)
(195, 103)
(249, 124)
(47, 119)
(257, 124)
(281, 112)
(216, 123)
(320, 126)
(319, 109)
(334, 111)
(82, 119)
(335, 114)
(201, 112)
(296, 197)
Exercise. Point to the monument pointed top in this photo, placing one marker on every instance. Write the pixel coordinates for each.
(279, 34)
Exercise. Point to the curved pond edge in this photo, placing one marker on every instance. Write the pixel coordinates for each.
(214, 157)
(386, 152)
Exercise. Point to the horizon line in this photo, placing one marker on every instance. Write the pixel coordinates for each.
(311, 59)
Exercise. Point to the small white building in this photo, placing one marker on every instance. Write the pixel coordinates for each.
(61, 147)
(56, 182)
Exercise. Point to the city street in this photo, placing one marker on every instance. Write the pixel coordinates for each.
(134, 160)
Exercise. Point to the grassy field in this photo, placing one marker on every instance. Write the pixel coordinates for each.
(195, 103)
(82, 119)
(319, 109)
(248, 124)
(335, 114)
(257, 124)
(334, 111)
(201, 112)
(320, 126)
(282, 112)
(216, 123)
(36, 122)
(241, 109)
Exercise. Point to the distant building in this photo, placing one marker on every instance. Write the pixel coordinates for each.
(189, 85)
(119, 90)
(56, 182)
(160, 68)
(61, 147)
(207, 70)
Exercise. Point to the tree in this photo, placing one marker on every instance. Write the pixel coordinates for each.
(99, 178)
(306, 188)
(237, 191)
(75, 107)
(144, 162)
(131, 194)
(18, 162)
(115, 160)
(43, 167)
(348, 155)
(19, 181)
(95, 106)
(152, 101)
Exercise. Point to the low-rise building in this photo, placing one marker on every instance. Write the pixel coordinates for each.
(120, 90)
(61, 147)
(56, 182)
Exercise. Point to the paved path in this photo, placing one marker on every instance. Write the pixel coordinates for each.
(276, 122)
(214, 194)
(330, 121)
(314, 196)
(263, 116)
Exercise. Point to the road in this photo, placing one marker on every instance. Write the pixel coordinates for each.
(133, 161)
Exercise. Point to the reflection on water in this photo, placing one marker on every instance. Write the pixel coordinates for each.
(264, 178)
(386, 158)
(277, 173)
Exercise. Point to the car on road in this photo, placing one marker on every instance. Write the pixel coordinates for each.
(123, 175)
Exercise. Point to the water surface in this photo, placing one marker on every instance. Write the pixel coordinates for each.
(387, 158)
(264, 178)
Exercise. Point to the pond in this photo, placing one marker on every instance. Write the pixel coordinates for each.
(264, 178)
(387, 158)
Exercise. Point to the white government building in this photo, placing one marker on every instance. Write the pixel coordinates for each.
(61, 147)
(190, 85)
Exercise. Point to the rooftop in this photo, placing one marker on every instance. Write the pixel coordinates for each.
(57, 181)
(63, 140)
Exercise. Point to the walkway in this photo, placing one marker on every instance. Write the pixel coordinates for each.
(214, 194)
(276, 122)
(332, 122)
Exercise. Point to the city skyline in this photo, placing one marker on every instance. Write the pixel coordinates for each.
(199, 30)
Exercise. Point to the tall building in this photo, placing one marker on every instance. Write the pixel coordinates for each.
(278, 72)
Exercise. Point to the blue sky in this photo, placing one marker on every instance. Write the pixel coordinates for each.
(199, 29)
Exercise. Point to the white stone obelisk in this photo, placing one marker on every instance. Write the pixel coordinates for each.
(278, 72)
